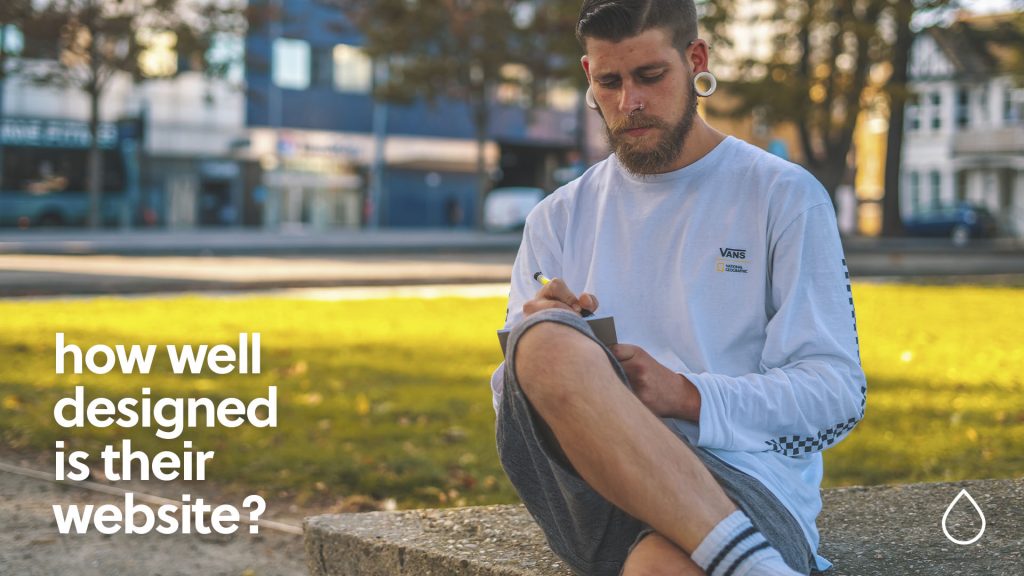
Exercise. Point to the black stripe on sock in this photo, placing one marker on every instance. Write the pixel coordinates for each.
(728, 548)
(744, 556)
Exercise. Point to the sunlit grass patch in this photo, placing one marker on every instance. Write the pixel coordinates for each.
(945, 386)
(380, 398)
(390, 399)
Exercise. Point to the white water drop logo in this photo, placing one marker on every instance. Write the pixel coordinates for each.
(945, 531)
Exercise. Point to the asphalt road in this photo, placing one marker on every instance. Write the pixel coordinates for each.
(137, 263)
(52, 275)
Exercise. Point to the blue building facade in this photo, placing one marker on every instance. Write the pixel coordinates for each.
(333, 157)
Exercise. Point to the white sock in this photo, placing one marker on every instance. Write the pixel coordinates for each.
(735, 548)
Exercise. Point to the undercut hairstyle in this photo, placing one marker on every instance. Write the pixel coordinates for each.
(616, 20)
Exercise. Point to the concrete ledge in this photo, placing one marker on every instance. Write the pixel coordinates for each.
(886, 530)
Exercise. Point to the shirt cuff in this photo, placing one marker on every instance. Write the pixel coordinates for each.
(712, 431)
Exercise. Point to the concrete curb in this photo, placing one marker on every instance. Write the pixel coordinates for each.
(885, 530)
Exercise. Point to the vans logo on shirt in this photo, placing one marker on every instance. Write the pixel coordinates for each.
(732, 260)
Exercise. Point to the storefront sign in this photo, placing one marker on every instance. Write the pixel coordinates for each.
(49, 133)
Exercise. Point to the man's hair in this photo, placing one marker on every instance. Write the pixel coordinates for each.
(615, 20)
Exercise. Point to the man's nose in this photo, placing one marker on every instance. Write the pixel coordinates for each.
(632, 98)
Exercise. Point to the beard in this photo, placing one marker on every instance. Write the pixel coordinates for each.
(637, 155)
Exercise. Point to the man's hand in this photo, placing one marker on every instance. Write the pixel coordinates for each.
(555, 294)
(667, 394)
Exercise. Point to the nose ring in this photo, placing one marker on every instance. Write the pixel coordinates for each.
(639, 108)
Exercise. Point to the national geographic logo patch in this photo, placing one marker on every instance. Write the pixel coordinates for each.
(732, 260)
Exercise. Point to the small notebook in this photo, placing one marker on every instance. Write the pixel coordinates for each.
(604, 329)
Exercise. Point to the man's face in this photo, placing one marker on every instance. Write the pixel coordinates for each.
(644, 69)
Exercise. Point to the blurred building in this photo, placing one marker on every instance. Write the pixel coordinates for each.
(168, 146)
(332, 156)
(290, 139)
(964, 133)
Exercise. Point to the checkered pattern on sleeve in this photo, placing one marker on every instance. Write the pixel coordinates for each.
(797, 445)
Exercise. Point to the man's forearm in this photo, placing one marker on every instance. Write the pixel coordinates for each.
(690, 408)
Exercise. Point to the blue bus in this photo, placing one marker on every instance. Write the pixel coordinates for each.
(44, 180)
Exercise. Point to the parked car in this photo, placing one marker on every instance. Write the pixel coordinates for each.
(505, 209)
(960, 223)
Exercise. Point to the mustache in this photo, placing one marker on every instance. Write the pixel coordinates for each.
(636, 121)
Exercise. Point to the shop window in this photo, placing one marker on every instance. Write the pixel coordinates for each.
(913, 119)
(963, 107)
(40, 171)
(936, 101)
(961, 186)
(227, 53)
(935, 199)
(353, 70)
(563, 95)
(14, 40)
(513, 88)
(323, 67)
(1013, 106)
(291, 64)
(915, 193)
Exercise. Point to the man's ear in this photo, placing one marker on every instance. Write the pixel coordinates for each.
(585, 62)
(698, 56)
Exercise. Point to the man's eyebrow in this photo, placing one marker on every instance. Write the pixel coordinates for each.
(606, 76)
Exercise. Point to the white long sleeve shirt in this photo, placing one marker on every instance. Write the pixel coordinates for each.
(729, 271)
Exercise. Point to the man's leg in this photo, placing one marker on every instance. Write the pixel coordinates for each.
(656, 556)
(626, 453)
(614, 442)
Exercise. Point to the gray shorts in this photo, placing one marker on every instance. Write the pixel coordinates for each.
(586, 531)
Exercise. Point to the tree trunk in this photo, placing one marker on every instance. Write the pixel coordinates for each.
(831, 173)
(95, 167)
(892, 224)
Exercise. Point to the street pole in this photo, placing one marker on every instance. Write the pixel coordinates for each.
(3, 76)
(274, 113)
(380, 129)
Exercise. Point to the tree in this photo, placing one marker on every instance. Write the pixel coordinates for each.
(1008, 35)
(818, 77)
(13, 14)
(97, 40)
(898, 92)
(815, 76)
(551, 52)
(435, 49)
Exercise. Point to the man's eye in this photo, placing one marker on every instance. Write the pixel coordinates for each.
(652, 79)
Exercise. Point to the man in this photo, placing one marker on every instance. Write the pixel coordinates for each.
(695, 448)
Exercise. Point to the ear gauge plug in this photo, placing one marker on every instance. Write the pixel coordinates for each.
(708, 77)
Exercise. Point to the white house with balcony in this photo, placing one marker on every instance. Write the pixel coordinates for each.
(964, 132)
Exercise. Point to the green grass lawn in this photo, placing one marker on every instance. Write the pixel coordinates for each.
(389, 398)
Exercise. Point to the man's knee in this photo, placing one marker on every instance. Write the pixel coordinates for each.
(551, 352)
